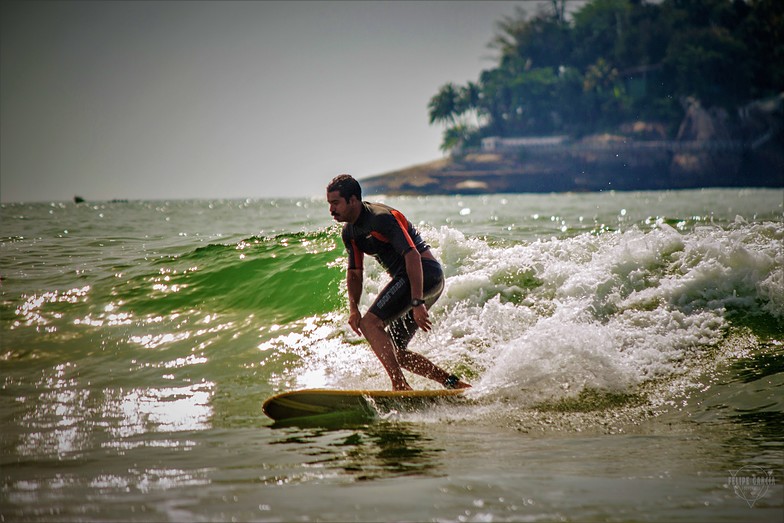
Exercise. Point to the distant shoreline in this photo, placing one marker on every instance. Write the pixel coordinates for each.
(555, 174)
(595, 163)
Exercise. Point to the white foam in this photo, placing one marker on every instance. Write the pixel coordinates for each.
(545, 320)
(553, 317)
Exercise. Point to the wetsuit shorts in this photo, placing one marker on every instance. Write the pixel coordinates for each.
(395, 299)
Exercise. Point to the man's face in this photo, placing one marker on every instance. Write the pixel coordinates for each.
(340, 209)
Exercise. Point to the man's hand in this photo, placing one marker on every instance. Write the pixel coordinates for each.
(354, 286)
(422, 318)
(353, 321)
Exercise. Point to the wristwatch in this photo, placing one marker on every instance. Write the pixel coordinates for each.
(417, 303)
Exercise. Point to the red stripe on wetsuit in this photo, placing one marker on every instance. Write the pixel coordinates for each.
(358, 255)
(403, 222)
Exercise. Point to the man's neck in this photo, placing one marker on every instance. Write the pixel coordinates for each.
(360, 210)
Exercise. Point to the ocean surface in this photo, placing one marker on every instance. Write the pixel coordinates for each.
(626, 352)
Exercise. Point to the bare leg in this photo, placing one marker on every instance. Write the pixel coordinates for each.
(373, 328)
(403, 330)
(419, 364)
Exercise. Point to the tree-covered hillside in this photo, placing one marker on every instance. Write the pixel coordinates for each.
(614, 62)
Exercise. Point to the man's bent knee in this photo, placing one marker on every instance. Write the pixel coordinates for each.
(370, 322)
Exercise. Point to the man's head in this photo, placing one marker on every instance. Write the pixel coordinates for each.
(344, 196)
(346, 185)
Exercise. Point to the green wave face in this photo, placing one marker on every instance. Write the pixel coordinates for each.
(287, 277)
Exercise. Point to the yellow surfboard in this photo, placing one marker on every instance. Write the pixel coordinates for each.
(318, 402)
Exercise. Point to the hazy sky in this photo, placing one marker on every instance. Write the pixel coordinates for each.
(161, 100)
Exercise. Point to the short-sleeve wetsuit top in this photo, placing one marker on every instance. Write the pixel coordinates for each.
(385, 234)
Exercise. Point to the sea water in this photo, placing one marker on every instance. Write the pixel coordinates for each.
(626, 353)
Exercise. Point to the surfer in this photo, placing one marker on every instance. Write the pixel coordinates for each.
(417, 281)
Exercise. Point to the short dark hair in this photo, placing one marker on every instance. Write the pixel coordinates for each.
(346, 185)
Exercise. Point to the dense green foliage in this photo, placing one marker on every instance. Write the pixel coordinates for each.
(616, 61)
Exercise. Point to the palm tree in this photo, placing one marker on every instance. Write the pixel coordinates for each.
(443, 106)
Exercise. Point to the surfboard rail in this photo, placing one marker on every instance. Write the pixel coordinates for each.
(316, 402)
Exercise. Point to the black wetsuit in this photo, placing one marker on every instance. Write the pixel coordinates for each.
(385, 234)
